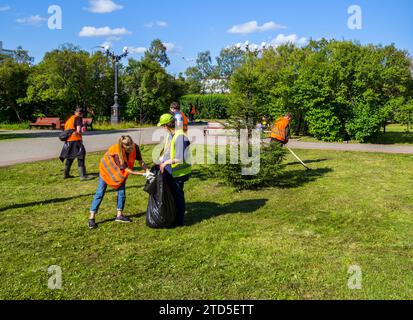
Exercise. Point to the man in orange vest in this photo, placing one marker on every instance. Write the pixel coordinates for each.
(192, 113)
(181, 121)
(114, 170)
(280, 132)
(73, 147)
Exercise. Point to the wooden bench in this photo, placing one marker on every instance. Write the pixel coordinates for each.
(213, 126)
(53, 123)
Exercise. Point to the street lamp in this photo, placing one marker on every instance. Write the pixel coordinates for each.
(115, 109)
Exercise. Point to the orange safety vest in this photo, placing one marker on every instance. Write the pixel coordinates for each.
(279, 130)
(109, 170)
(70, 125)
(186, 122)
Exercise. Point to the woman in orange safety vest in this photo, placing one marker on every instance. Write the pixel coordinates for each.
(115, 167)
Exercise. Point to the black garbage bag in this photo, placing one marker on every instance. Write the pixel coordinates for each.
(161, 212)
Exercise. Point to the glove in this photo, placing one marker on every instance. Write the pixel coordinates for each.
(149, 175)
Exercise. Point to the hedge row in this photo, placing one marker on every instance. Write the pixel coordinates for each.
(209, 106)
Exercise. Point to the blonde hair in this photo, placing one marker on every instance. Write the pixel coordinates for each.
(125, 143)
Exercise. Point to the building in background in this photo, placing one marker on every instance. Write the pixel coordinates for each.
(219, 85)
(5, 52)
(19, 55)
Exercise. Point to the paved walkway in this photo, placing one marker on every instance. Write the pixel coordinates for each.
(43, 145)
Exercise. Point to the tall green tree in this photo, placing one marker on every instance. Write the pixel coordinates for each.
(335, 89)
(150, 88)
(13, 87)
(229, 60)
(69, 77)
(158, 52)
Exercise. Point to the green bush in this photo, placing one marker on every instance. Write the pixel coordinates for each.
(365, 124)
(271, 166)
(209, 106)
(323, 125)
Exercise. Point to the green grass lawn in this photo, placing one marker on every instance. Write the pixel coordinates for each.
(107, 126)
(295, 240)
(395, 134)
(14, 126)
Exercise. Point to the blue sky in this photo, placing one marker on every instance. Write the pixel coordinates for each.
(190, 26)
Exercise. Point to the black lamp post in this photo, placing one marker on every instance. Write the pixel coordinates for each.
(115, 109)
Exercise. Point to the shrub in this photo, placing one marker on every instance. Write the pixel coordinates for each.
(209, 106)
(271, 166)
(323, 125)
(365, 124)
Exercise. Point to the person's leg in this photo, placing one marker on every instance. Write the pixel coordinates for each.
(81, 167)
(180, 202)
(97, 200)
(121, 205)
(68, 165)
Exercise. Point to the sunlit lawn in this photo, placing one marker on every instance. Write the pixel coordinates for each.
(295, 240)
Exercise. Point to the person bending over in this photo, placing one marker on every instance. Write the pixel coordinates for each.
(114, 170)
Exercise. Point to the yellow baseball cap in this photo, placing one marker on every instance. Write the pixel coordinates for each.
(165, 119)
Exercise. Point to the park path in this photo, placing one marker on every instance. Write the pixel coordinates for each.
(31, 146)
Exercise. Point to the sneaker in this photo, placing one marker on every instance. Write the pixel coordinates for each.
(123, 219)
(92, 224)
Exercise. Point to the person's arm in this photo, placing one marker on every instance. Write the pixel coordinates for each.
(139, 158)
(179, 156)
(125, 167)
(287, 133)
(78, 126)
(135, 173)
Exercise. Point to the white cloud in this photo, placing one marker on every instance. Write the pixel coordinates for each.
(292, 38)
(137, 50)
(253, 27)
(103, 6)
(5, 8)
(160, 24)
(170, 46)
(102, 32)
(36, 20)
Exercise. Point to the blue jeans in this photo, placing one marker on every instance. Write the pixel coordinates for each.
(100, 193)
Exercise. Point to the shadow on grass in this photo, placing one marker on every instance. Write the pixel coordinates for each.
(306, 162)
(7, 136)
(297, 178)
(139, 215)
(57, 200)
(200, 211)
(202, 175)
(394, 138)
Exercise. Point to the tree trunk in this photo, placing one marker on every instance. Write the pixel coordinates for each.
(13, 106)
